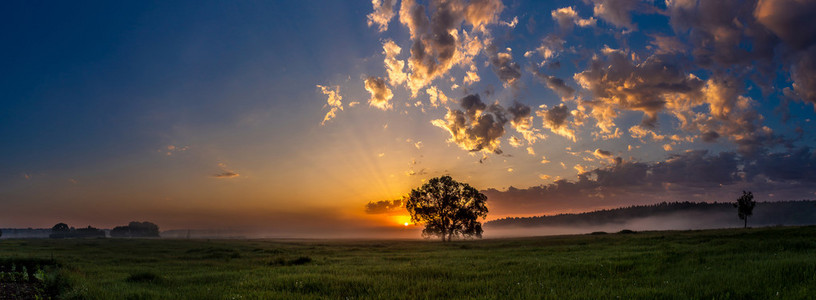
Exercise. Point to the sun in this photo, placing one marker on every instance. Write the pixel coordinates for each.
(403, 220)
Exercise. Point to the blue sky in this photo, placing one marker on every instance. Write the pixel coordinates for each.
(207, 114)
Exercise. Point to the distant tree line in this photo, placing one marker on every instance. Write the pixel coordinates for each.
(136, 229)
(786, 212)
(133, 229)
(61, 231)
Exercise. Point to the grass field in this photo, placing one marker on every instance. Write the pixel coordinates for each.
(760, 263)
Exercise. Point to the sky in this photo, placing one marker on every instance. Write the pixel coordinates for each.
(298, 117)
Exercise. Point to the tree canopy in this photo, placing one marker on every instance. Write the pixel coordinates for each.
(447, 208)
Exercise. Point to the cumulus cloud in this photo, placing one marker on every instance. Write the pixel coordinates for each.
(505, 68)
(334, 102)
(791, 20)
(522, 122)
(384, 206)
(482, 12)
(383, 12)
(437, 42)
(436, 96)
(380, 93)
(617, 12)
(567, 17)
(719, 31)
(647, 86)
(555, 119)
(557, 85)
(477, 127)
(394, 66)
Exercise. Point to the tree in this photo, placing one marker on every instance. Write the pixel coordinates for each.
(745, 206)
(447, 208)
(60, 228)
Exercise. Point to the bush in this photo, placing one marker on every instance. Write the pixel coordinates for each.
(292, 262)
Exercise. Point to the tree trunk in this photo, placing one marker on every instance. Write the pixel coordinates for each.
(746, 222)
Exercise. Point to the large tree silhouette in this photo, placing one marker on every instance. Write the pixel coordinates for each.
(745, 206)
(447, 208)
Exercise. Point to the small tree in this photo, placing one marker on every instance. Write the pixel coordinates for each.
(745, 206)
(60, 228)
(447, 208)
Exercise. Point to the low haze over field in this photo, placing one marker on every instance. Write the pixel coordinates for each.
(302, 117)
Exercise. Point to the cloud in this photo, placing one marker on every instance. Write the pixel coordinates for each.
(380, 93)
(803, 73)
(567, 17)
(616, 12)
(384, 207)
(557, 85)
(601, 154)
(437, 44)
(482, 12)
(693, 175)
(550, 47)
(791, 20)
(719, 30)
(436, 96)
(555, 119)
(668, 44)
(226, 174)
(170, 150)
(621, 83)
(478, 128)
(522, 121)
(505, 68)
(471, 76)
(383, 12)
(394, 66)
(334, 102)
(689, 176)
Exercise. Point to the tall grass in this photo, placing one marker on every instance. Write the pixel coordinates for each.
(712, 264)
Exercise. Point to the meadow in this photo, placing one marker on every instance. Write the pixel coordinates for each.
(759, 263)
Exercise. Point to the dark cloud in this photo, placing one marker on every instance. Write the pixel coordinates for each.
(505, 68)
(798, 165)
(557, 85)
(519, 112)
(522, 121)
(710, 136)
(435, 47)
(690, 176)
(384, 206)
(790, 20)
(803, 74)
(719, 31)
(646, 86)
(555, 119)
(478, 128)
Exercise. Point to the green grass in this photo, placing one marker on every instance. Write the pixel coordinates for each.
(713, 264)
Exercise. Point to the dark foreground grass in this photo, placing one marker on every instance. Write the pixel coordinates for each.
(759, 263)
